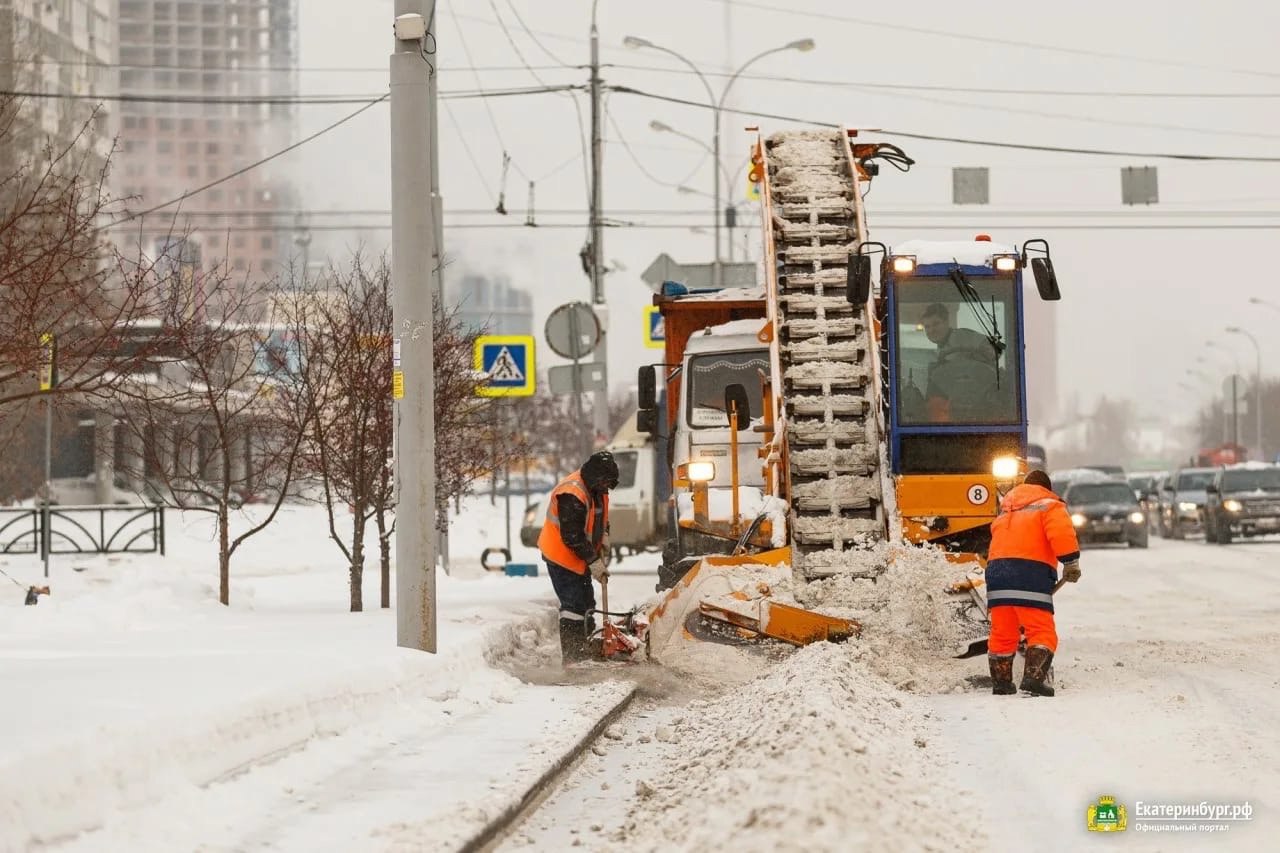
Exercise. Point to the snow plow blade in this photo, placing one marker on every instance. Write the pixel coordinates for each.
(731, 600)
(778, 621)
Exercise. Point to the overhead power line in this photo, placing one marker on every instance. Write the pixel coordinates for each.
(456, 95)
(989, 143)
(251, 166)
(791, 12)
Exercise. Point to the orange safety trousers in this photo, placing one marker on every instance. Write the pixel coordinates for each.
(1007, 619)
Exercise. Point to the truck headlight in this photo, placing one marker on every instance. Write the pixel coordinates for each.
(1006, 263)
(904, 264)
(1232, 506)
(1186, 506)
(701, 472)
(1004, 467)
(1137, 517)
(1078, 520)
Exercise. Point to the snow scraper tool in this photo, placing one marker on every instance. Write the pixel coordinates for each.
(979, 646)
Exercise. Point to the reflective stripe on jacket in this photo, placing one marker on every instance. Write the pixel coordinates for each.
(1032, 534)
(550, 542)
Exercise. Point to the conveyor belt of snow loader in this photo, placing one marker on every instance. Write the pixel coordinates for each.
(828, 389)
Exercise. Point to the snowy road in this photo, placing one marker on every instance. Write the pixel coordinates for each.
(1166, 694)
(1167, 691)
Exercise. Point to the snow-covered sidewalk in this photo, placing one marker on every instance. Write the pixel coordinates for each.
(137, 688)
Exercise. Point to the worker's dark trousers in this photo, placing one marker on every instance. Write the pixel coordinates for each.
(576, 594)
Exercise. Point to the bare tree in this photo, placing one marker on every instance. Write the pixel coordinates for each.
(218, 422)
(60, 277)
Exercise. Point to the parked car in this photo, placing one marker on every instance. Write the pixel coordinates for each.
(1242, 500)
(1182, 501)
(1106, 511)
(535, 515)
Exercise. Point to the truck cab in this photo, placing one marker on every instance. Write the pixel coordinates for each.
(952, 350)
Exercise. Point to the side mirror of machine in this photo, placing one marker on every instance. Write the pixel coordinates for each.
(858, 284)
(647, 388)
(735, 397)
(1042, 269)
(647, 421)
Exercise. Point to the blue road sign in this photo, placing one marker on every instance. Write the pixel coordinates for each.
(507, 362)
(655, 333)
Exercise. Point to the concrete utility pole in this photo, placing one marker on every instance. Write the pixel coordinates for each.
(595, 258)
(414, 265)
(1257, 388)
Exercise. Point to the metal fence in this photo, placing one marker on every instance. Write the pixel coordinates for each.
(82, 530)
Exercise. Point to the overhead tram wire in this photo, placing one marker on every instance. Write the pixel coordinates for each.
(793, 12)
(988, 143)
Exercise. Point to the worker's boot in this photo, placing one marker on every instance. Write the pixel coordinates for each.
(593, 642)
(1037, 672)
(573, 641)
(1001, 674)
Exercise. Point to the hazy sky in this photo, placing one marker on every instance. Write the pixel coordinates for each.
(1138, 304)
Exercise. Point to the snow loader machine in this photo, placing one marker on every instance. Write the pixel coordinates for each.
(834, 409)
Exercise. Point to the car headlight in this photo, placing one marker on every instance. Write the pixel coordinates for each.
(1004, 467)
(1137, 517)
(1186, 506)
(1232, 506)
(1078, 520)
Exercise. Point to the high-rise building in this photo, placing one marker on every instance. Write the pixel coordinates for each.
(56, 51)
(209, 65)
(491, 305)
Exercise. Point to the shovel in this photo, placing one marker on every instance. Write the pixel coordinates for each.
(979, 647)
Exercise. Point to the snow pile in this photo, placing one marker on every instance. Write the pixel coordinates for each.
(911, 624)
(820, 754)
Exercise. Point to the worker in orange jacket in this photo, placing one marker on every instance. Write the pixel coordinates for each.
(575, 543)
(1032, 534)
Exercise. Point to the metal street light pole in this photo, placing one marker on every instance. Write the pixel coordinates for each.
(1257, 386)
(717, 105)
(1235, 392)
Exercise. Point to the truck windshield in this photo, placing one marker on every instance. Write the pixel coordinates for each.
(958, 358)
(1099, 493)
(1267, 479)
(1192, 480)
(710, 374)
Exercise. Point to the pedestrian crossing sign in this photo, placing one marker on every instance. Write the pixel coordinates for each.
(655, 333)
(506, 364)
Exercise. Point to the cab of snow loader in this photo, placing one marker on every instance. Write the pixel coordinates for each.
(713, 375)
(950, 317)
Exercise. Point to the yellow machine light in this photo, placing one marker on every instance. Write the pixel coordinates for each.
(904, 264)
(1004, 467)
(701, 472)
(1078, 520)
(1232, 506)
(1006, 263)
(1137, 517)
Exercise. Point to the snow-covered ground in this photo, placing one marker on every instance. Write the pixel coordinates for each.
(131, 688)
(150, 718)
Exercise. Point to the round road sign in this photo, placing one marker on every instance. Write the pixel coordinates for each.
(573, 331)
(978, 494)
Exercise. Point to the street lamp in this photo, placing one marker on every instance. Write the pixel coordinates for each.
(1257, 384)
(717, 106)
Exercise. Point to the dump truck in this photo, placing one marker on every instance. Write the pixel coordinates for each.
(836, 408)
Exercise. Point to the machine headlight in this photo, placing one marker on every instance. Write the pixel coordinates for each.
(1232, 506)
(1186, 506)
(1078, 520)
(1137, 517)
(701, 472)
(1006, 263)
(1004, 467)
(904, 264)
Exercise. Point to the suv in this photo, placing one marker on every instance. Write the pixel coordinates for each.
(1244, 500)
(1182, 501)
(1106, 511)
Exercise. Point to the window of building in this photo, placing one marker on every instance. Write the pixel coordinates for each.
(164, 124)
(240, 241)
(193, 171)
(192, 148)
(164, 146)
(188, 125)
(211, 148)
